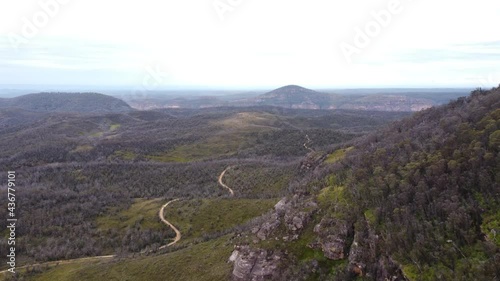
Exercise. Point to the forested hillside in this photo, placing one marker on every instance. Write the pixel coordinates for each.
(66, 102)
(353, 199)
(418, 200)
(429, 189)
(93, 183)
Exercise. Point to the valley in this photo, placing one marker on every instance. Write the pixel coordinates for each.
(254, 192)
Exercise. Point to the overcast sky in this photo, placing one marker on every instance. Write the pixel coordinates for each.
(156, 44)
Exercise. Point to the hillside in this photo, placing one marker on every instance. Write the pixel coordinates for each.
(318, 194)
(66, 102)
(94, 183)
(416, 201)
(293, 96)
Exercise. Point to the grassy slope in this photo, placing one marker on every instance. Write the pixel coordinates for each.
(202, 262)
(197, 217)
(337, 155)
(258, 180)
(194, 218)
(142, 211)
(227, 137)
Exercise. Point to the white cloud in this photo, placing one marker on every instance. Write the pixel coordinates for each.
(259, 43)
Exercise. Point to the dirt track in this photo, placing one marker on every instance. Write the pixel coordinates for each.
(224, 185)
(61, 262)
(308, 141)
(162, 218)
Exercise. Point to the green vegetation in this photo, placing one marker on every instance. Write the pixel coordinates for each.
(67, 102)
(401, 195)
(194, 218)
(337, 155)
(251, 121)
(370, 216)
(142, 212)
(410, 271)
(125, 155)
(226, 145)
(83, 148)
(97, 134)
(491, 227)
(428, 184)
(114, 127)
(259, 180)
(169, 157)
(331, 195)
(204, 217)
(201, 262)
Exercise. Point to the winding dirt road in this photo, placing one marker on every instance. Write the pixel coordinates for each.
(49, 263)
(162, 218)
(223, 184)
(308, 141)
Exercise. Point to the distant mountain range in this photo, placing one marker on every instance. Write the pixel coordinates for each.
(66, 102)
(293, 96)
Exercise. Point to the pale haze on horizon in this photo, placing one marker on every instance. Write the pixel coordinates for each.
(250, 43)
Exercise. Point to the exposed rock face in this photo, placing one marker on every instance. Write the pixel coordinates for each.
(311, 162)
(254, 264)
(334, 249)
(338, 239)
(389, 270)
(364, 251)
(280, 207)
(332, 237)
(292, 214)
(356, 258)
(264, 230)
(289, 212)
(296, 221)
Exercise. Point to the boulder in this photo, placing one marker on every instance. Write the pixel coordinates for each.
(254, 264)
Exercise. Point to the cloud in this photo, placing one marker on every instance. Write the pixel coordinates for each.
(260, 44)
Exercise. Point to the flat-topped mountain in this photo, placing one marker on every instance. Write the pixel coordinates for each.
(67, 102)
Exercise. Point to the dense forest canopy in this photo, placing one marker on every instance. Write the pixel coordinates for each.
(428, 188)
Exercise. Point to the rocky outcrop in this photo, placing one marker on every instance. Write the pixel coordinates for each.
(293, 213)
(291, 216)
(366, 260)
(389, 270)
(264, 230)
(337, 238)
(255, 264)
(332, 237)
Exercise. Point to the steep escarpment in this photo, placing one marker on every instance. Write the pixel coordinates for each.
(416, 201)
